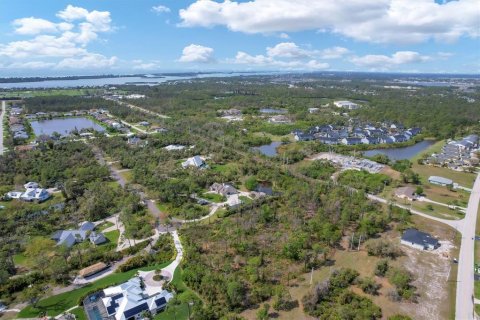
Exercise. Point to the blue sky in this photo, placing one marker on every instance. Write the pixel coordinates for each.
(138, 36)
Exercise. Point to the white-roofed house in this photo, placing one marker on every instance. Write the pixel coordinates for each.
(195, 161)
(129, 300)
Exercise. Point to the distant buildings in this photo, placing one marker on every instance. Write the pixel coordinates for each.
(346, 105)
(419, 240)
(457, 154)
(357, 134)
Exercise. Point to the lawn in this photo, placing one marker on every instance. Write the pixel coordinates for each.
(462, 178)
(79, 313)
(245, 200)
(20, 259)
(104, 225)
(57, 304)
(214, 197)
(437, 210)
(112, 236)
(178, 311)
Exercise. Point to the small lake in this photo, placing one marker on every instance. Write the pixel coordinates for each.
(64, 126)
(401, 153)
(269, 150)
(271, 110)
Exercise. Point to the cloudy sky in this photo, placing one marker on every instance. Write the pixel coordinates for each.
(137, 36)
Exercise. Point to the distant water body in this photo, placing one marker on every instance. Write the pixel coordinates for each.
(401, 153)
(116, 81)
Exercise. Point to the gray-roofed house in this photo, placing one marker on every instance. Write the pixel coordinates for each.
(419, 240)
(405, 193)
(195, 161)
(97, 238)
(223, 189)
(71, 237)
(441, 181)
(87, 226)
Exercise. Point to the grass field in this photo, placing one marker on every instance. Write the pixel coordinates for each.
(438, 211)
(79, 313)
(20, 260)
(104, 225)
(177, 311)
(214, 197)
(112, 236)
(57, 304)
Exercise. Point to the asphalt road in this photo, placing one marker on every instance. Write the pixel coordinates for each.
(465, 276)
(2, 115)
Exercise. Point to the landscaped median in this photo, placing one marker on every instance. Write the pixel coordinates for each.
(55, 305)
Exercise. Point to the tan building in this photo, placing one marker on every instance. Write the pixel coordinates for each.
(405, 193)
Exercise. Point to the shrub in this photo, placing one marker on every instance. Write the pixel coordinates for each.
(368, 285)
(382, 248)
(381, 268)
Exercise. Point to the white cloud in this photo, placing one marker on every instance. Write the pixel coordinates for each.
(287, 50)
(144, 65)
(89, 61)
(160, 9)
(286, 55)
(32, 26)
(30, 65)
(379, 21)
(197, 53)
(65, 41)
(383, 62)
(334, 53)
(284, 35)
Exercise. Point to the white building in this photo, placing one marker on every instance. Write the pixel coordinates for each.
(346, 105)
(130, 299)
(195, 161)
(32, 192)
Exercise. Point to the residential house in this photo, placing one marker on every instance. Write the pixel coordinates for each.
(405, 193)
(85, 230)
(223, 189)
(195, 161)
(419, 240)
(346, 104)
(279, 119)
(130, 299)
(441, 181)
(351, 141)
